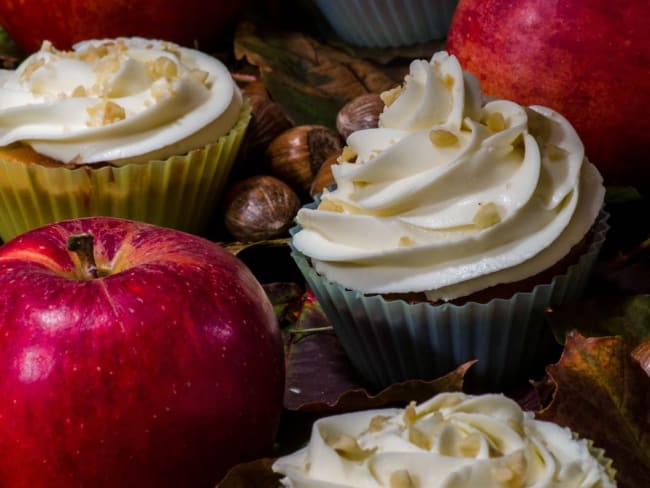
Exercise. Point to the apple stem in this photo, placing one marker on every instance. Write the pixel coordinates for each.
(83, 245)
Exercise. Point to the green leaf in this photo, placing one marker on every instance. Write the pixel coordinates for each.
(628, 317)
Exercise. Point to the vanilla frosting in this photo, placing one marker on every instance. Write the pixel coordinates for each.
(451, 194)
(453, 440)
(117, 100)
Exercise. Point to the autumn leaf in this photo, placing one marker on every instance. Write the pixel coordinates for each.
(601, 393)
(625, 316)
(309, 79)
(321, 379)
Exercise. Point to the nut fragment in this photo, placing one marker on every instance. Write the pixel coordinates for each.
(487, 216)
(401, 478)
(104, 113)
(361, 112)
(442, 138)
(389, 96)
(347, 447)
(259, 208)
(296, 155)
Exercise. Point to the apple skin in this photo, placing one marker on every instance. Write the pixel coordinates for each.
(587, 59)
(165, 372)
(65, 22)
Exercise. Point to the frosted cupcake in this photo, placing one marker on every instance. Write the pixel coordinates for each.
(134, 128)
(453, 226)
(452, 440)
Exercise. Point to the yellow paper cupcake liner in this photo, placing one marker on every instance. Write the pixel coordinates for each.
(181, 192)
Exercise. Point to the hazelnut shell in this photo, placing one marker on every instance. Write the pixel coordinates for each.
(259, 208)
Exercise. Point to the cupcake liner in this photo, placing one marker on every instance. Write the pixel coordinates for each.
(181, 192)
(388, 23)
(389, 341)
(601, 456)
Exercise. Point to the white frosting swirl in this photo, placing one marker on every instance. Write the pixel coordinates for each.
(450, 195)
(118, 101)
(453, 440)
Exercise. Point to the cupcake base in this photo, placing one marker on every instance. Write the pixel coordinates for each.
(181, 192)
(389, 341)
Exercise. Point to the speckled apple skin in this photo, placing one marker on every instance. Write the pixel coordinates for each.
(163, 373)
(64, 22)
(587, 59)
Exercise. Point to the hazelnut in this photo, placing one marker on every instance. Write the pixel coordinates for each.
(268, 120)
(323, 177)
(361, 112)
(260, 208)
(296, 155)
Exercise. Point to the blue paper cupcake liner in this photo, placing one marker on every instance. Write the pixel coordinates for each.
(388, 23)
(390, 341)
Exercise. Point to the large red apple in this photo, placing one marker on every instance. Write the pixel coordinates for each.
(65, 22)
(588, 59)
(161, 365)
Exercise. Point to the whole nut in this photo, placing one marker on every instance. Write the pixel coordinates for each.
(296, 155)
(361, 112)
(260, 207)
(324, 177)
(268, 120)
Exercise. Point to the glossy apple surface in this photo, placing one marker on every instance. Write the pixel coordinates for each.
(587, 59)
(163, 371)
(65, 22)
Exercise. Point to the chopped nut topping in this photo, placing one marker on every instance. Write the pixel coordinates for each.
(495, 122)
(31, 68)
(347, 155)
(410, 414)
(406, 241)
(105, 113)
(347, 447)
(79, 91)
(442, 138)
(330, 206)
(512, 473)
(161, 67)
(389, 96)
(470, 445)
(401, 479)
(487, 216)
(200, 75)
(161, 89)
(93, 52)
(419, 438)
(358, 185)
(377, 423)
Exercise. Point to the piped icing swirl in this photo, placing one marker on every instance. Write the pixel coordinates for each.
(453, 440)
(451, 194)
(117, 101)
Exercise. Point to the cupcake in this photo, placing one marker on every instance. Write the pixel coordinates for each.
(453, 226)
(388, 23)
(130, 127)
(451, 440)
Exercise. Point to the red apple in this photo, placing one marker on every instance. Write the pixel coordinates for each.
(65, 22)
(161, 365)
(587, 59)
